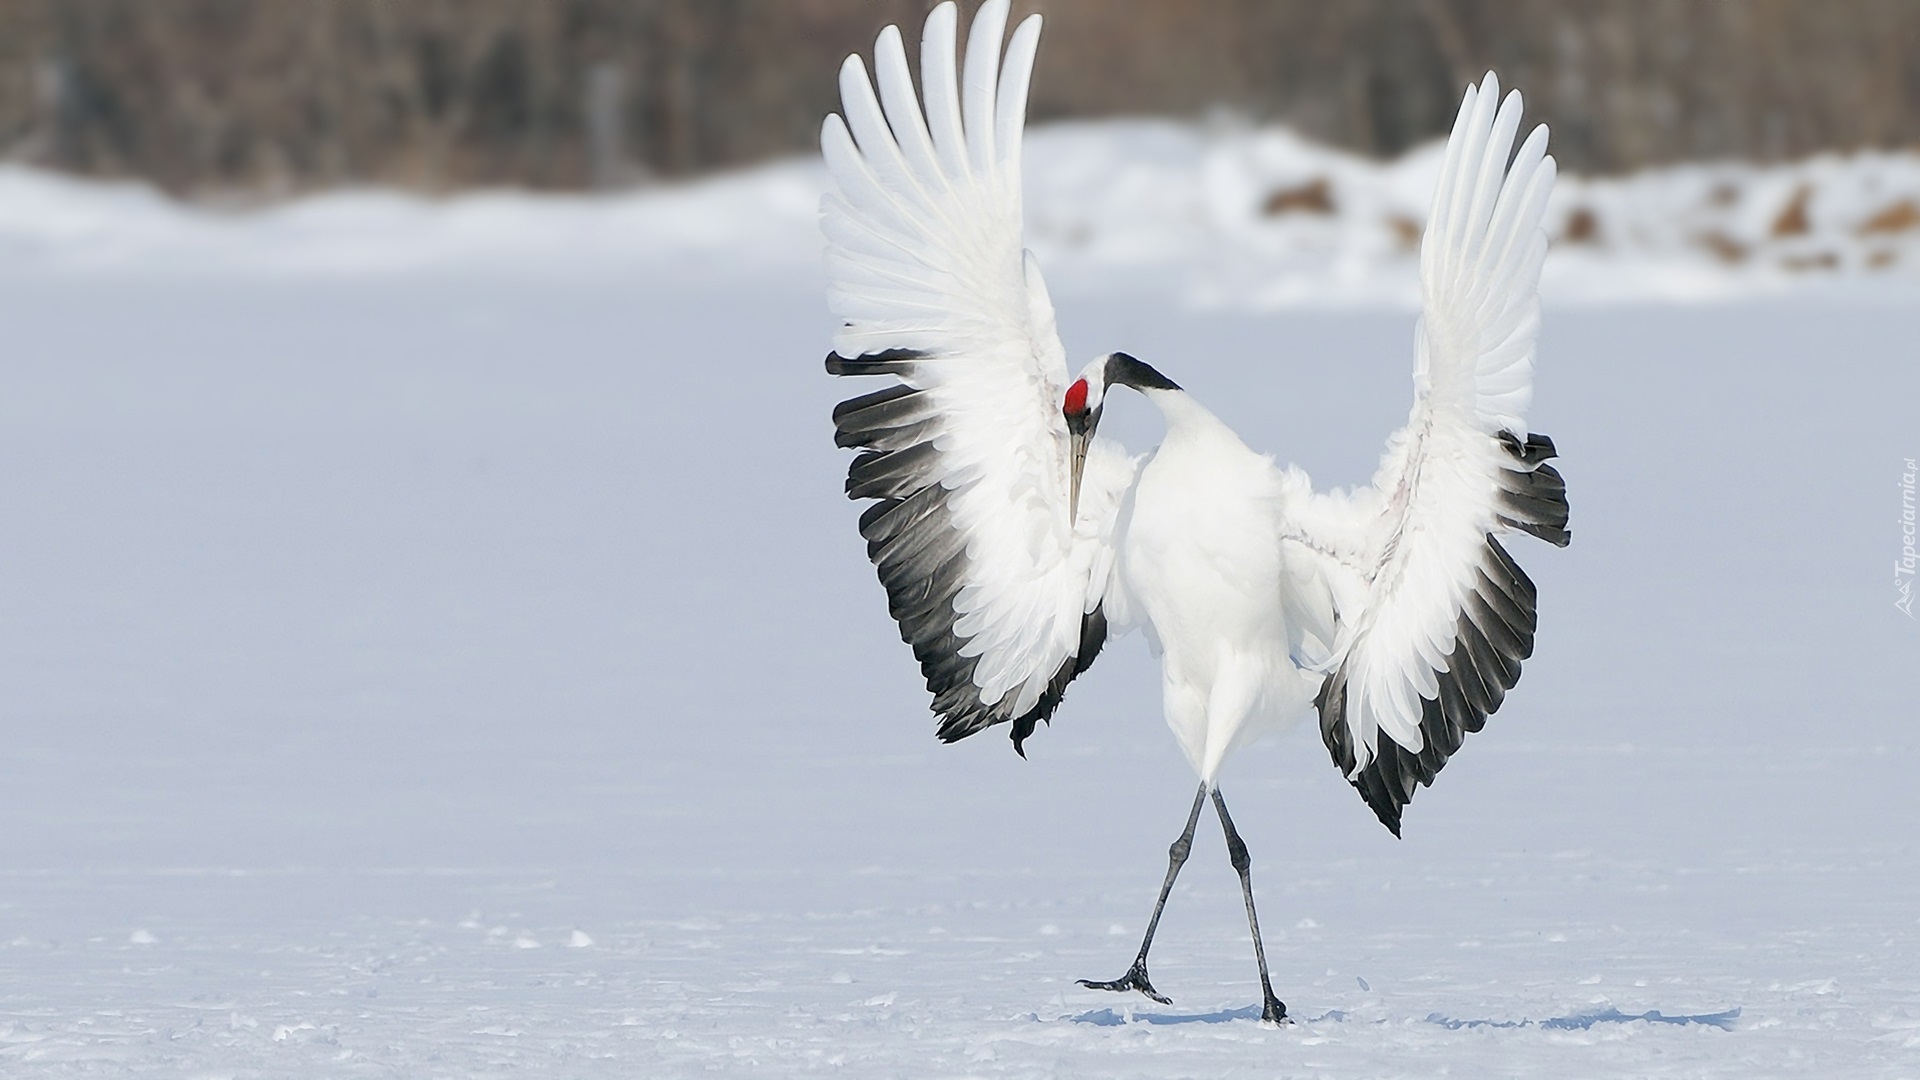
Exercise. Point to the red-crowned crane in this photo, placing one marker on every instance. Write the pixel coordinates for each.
(1012, 541)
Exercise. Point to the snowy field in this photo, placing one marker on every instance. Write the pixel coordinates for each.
(1215, 215)
(416, 671)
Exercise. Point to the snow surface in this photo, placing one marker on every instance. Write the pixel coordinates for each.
(464, 665)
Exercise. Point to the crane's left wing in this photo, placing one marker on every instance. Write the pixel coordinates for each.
(967, 453)
(1410, 602)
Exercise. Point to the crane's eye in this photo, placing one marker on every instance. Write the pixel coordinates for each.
(1076, 402)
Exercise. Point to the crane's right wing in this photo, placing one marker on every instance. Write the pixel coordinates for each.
(967, 453)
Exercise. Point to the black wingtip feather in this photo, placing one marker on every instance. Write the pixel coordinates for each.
(1374, 792)
(1492, 635)
(1093, 636)
(1533, 495)
(884, 362)
(920, 556)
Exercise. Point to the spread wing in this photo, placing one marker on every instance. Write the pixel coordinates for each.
(1424, 617)
(966, 451)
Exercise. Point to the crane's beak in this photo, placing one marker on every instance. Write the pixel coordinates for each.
(1079, 434)
(1079, 440)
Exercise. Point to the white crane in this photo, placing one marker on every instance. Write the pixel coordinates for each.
(1012, 541)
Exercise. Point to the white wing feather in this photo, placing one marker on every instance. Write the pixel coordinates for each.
(1407, 563)
(925, 264)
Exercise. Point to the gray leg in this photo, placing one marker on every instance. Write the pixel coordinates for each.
(1272, 1010)
(1136, 976)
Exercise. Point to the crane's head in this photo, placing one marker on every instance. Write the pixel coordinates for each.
(1087, 396)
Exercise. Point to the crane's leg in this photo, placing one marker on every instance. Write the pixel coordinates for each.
(1272, 1010)
(1136, 976)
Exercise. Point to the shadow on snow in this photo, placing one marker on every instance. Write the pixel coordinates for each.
(1583, 1021)
(1111, 1018)
(1577, 1022)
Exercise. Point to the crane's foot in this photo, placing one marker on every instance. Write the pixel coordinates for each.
(1136, 979)
(1274, 1011)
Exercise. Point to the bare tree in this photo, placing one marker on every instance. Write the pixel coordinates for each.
(250, 95)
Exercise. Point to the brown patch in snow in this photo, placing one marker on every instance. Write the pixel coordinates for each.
(1583, 227)
(1724, 247)
(1897, 218)
(1406, 230)
(1825, 260)
(1313, 197)
(1793, 217)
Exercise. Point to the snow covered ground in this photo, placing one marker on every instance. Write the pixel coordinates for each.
(1216, 214)
(464, 664)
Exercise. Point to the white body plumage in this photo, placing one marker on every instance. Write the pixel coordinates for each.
(1202, 575)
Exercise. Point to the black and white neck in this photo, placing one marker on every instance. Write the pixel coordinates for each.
(1124, 369)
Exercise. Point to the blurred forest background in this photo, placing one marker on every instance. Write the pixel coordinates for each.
(278, 96)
